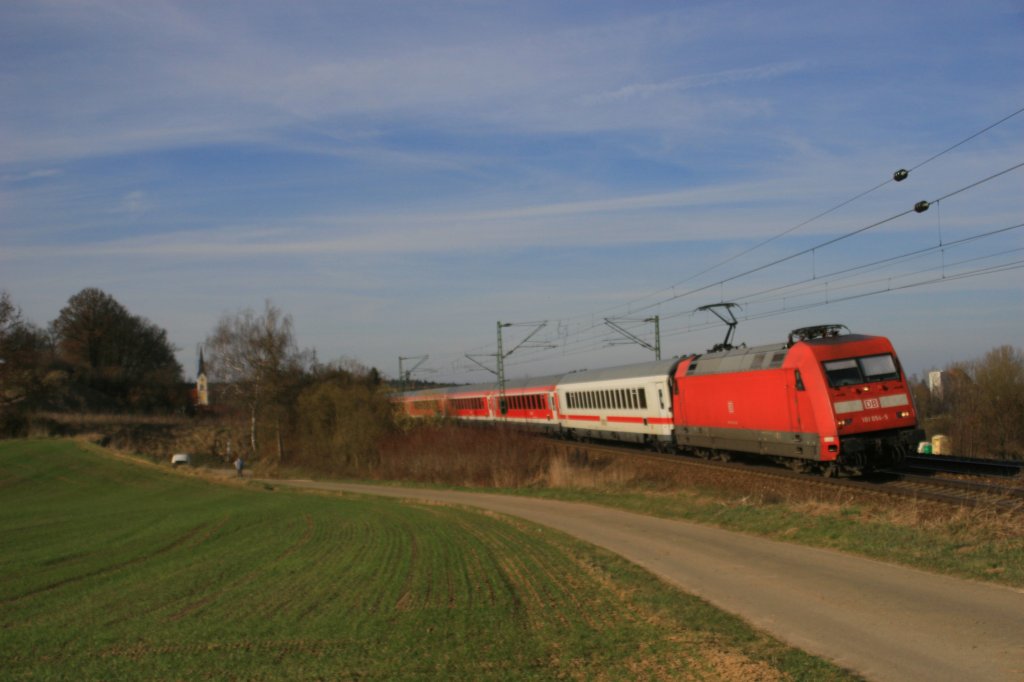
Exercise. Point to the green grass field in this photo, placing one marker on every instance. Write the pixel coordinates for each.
(116, 570)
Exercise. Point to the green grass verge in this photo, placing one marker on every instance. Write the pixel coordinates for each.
(112, 570)
(977, 545)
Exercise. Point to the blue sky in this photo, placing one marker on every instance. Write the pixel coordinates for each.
(399, 176)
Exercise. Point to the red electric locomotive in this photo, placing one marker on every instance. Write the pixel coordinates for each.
(825, 400)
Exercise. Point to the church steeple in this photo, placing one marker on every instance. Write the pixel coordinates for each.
(202, 389)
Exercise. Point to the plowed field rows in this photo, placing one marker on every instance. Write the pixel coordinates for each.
(111, 570)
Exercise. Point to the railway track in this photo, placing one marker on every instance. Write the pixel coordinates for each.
(955, 491)
(963, 465)
(1005, 496)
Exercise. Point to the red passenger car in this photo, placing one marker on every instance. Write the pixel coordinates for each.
(529, 403)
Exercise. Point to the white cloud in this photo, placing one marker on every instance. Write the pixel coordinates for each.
(134, 203)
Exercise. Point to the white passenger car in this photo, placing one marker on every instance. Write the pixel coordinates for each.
(631, 403)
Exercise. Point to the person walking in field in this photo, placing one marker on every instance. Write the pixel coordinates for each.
(239, 465)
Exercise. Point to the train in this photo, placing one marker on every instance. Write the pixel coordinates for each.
(824, 401)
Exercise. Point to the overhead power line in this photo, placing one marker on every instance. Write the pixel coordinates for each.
(586, 339)
(898, 176)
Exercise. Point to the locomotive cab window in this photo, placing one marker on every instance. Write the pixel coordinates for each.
(879, 368)
(863, 370)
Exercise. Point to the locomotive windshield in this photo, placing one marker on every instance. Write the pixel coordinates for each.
(861, 370)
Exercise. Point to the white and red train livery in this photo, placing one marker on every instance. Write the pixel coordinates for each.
(823, 401)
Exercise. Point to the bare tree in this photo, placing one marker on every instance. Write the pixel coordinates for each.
(256, 360)
(25, 353)
(984, 402)
(1000, 380)
(11, 325)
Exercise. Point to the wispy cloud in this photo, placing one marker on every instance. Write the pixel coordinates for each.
(683, 83)
(27, 176)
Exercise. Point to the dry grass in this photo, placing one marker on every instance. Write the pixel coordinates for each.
(453, 455)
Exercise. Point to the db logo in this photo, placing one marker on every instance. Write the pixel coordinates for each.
(871, 404)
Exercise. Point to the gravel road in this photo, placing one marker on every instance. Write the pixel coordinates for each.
(883, 621)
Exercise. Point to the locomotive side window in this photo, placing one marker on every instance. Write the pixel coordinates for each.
(643, 398)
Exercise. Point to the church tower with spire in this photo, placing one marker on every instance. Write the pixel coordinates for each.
(202, 387)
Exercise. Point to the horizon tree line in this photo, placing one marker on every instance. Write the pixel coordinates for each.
(96, 356)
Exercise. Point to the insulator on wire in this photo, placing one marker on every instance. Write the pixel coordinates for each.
(900, 175)
(921, 206)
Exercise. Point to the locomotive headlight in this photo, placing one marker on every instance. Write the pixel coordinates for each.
(843, 422)
(904, 414)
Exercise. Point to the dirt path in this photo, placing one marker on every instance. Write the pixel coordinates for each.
(886, 622)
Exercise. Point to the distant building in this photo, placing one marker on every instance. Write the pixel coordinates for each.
(935, 384)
